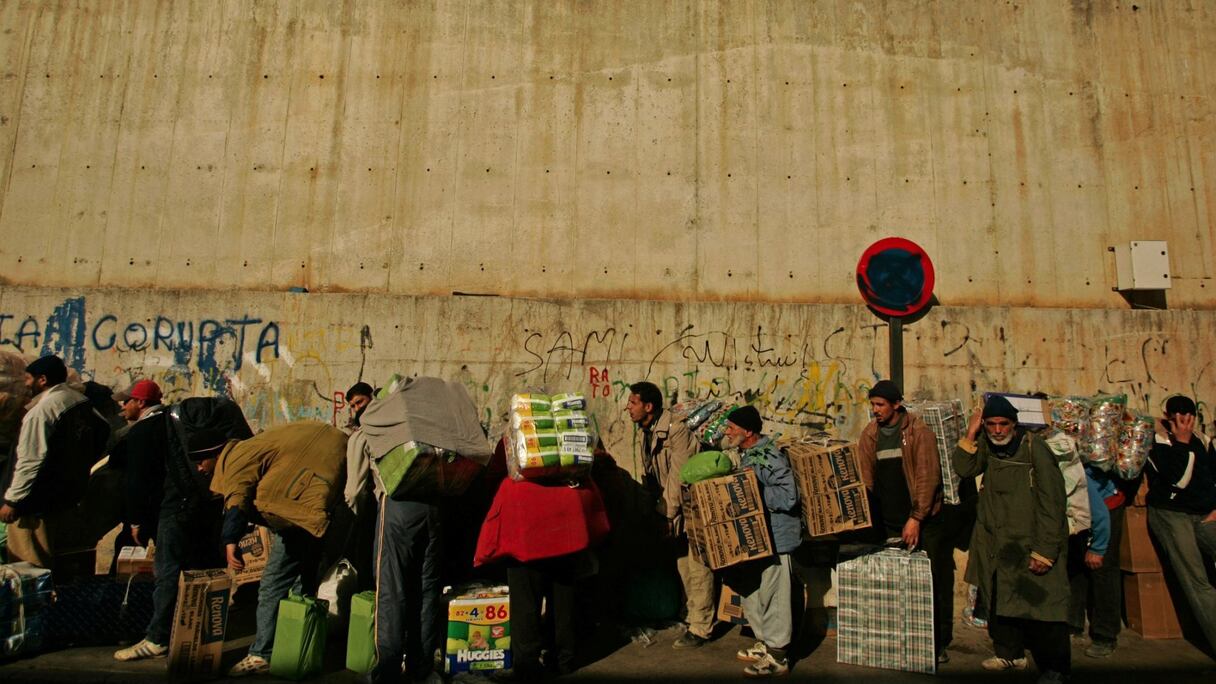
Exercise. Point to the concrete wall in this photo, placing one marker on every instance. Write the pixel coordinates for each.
(290, 356)
(686, 150)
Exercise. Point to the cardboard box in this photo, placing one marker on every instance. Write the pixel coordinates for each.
(255, 551)
(1032, 411)
(197, 644)
(725, 521)
(1150, 611)
(1136, 552)
(136, 560)
(479, 632)
(730, 607)
(829, 484)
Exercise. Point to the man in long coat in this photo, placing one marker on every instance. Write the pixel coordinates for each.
(1018, 549)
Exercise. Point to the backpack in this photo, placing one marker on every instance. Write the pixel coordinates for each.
(200, 424)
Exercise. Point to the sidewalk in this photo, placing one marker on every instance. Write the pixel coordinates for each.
(1136, 660)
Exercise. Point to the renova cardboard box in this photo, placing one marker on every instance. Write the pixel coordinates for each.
(197, 644)
(724, 519)
(479, 632)
(1150, 611)
(1136, 551)
(255, 551)
(829, 484)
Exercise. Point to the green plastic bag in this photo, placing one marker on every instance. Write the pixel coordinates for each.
(361, 635)
(704, 466)
(299, 637)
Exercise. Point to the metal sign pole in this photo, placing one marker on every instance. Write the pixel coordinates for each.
(895, 344)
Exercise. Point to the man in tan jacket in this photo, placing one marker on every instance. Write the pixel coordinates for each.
(902, 470)
(287, 478)
(667, 446)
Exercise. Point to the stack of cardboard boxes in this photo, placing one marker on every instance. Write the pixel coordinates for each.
(1150, 612)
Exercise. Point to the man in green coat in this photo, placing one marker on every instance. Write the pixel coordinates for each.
(1018, 549)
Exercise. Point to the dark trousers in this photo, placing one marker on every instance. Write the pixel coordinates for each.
(407, 589)
(1048, 641)
(939, 536)
(189, 546)
(530, 583)
(1098, 593)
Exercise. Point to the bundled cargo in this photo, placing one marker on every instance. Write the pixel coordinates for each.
(299, 638)
(25, 593)
(948, 423)
(885, 611)
(1101, 443)
(425, 437)
(829, 483)
(1135, 441)
(361, 635)
(1070, 415)
(726, 521)
(13, 397)
(549, 437)
(705, 465)
(714, 426)
(694, 413)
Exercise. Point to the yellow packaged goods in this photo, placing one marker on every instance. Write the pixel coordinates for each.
(479, 632)
(544, 443)
(564, 402)
(197, 644)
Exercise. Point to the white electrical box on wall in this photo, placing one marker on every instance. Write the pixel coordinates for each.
(1142, 265)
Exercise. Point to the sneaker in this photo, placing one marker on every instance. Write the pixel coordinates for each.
(753, 654)
(997, 663)
(943, 658)
(250, 665)
(689, 640)
(768, 666)
(144, 649)
(1052, 677)
(1100, 649)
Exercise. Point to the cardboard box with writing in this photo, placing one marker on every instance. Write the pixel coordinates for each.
(1150, 611)
(197, 644)
(255, 551)
(1136, 551)
(725, 520)
(136, 560)
(730, 607)
(829, 484)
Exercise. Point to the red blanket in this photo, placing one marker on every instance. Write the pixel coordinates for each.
(530, 521)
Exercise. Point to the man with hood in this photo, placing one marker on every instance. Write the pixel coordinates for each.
(1019, 546)
(897, 453)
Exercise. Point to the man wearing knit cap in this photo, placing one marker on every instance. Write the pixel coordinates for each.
(1019, 546)
(1182, 505)
(765, 585)
(61, 438)
(897, 453)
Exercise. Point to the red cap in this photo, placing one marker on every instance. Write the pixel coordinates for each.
(144, 390)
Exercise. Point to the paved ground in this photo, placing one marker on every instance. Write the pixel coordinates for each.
(1136, 660)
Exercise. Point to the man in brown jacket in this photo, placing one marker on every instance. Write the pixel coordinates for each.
(667, 445)
(287, 478)
(901, 468)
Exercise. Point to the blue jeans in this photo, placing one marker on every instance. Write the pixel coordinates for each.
(295, 557)
(407, 589)
(178, 547)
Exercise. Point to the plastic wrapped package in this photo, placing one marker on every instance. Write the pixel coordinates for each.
(1070, 415)
(549, 437)
(1100, 445)
(14, 395)
(711, 431)
(695, 413)
(1135, 441)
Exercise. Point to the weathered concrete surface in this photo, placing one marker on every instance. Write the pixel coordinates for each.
(290, 356)
(687, 150)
